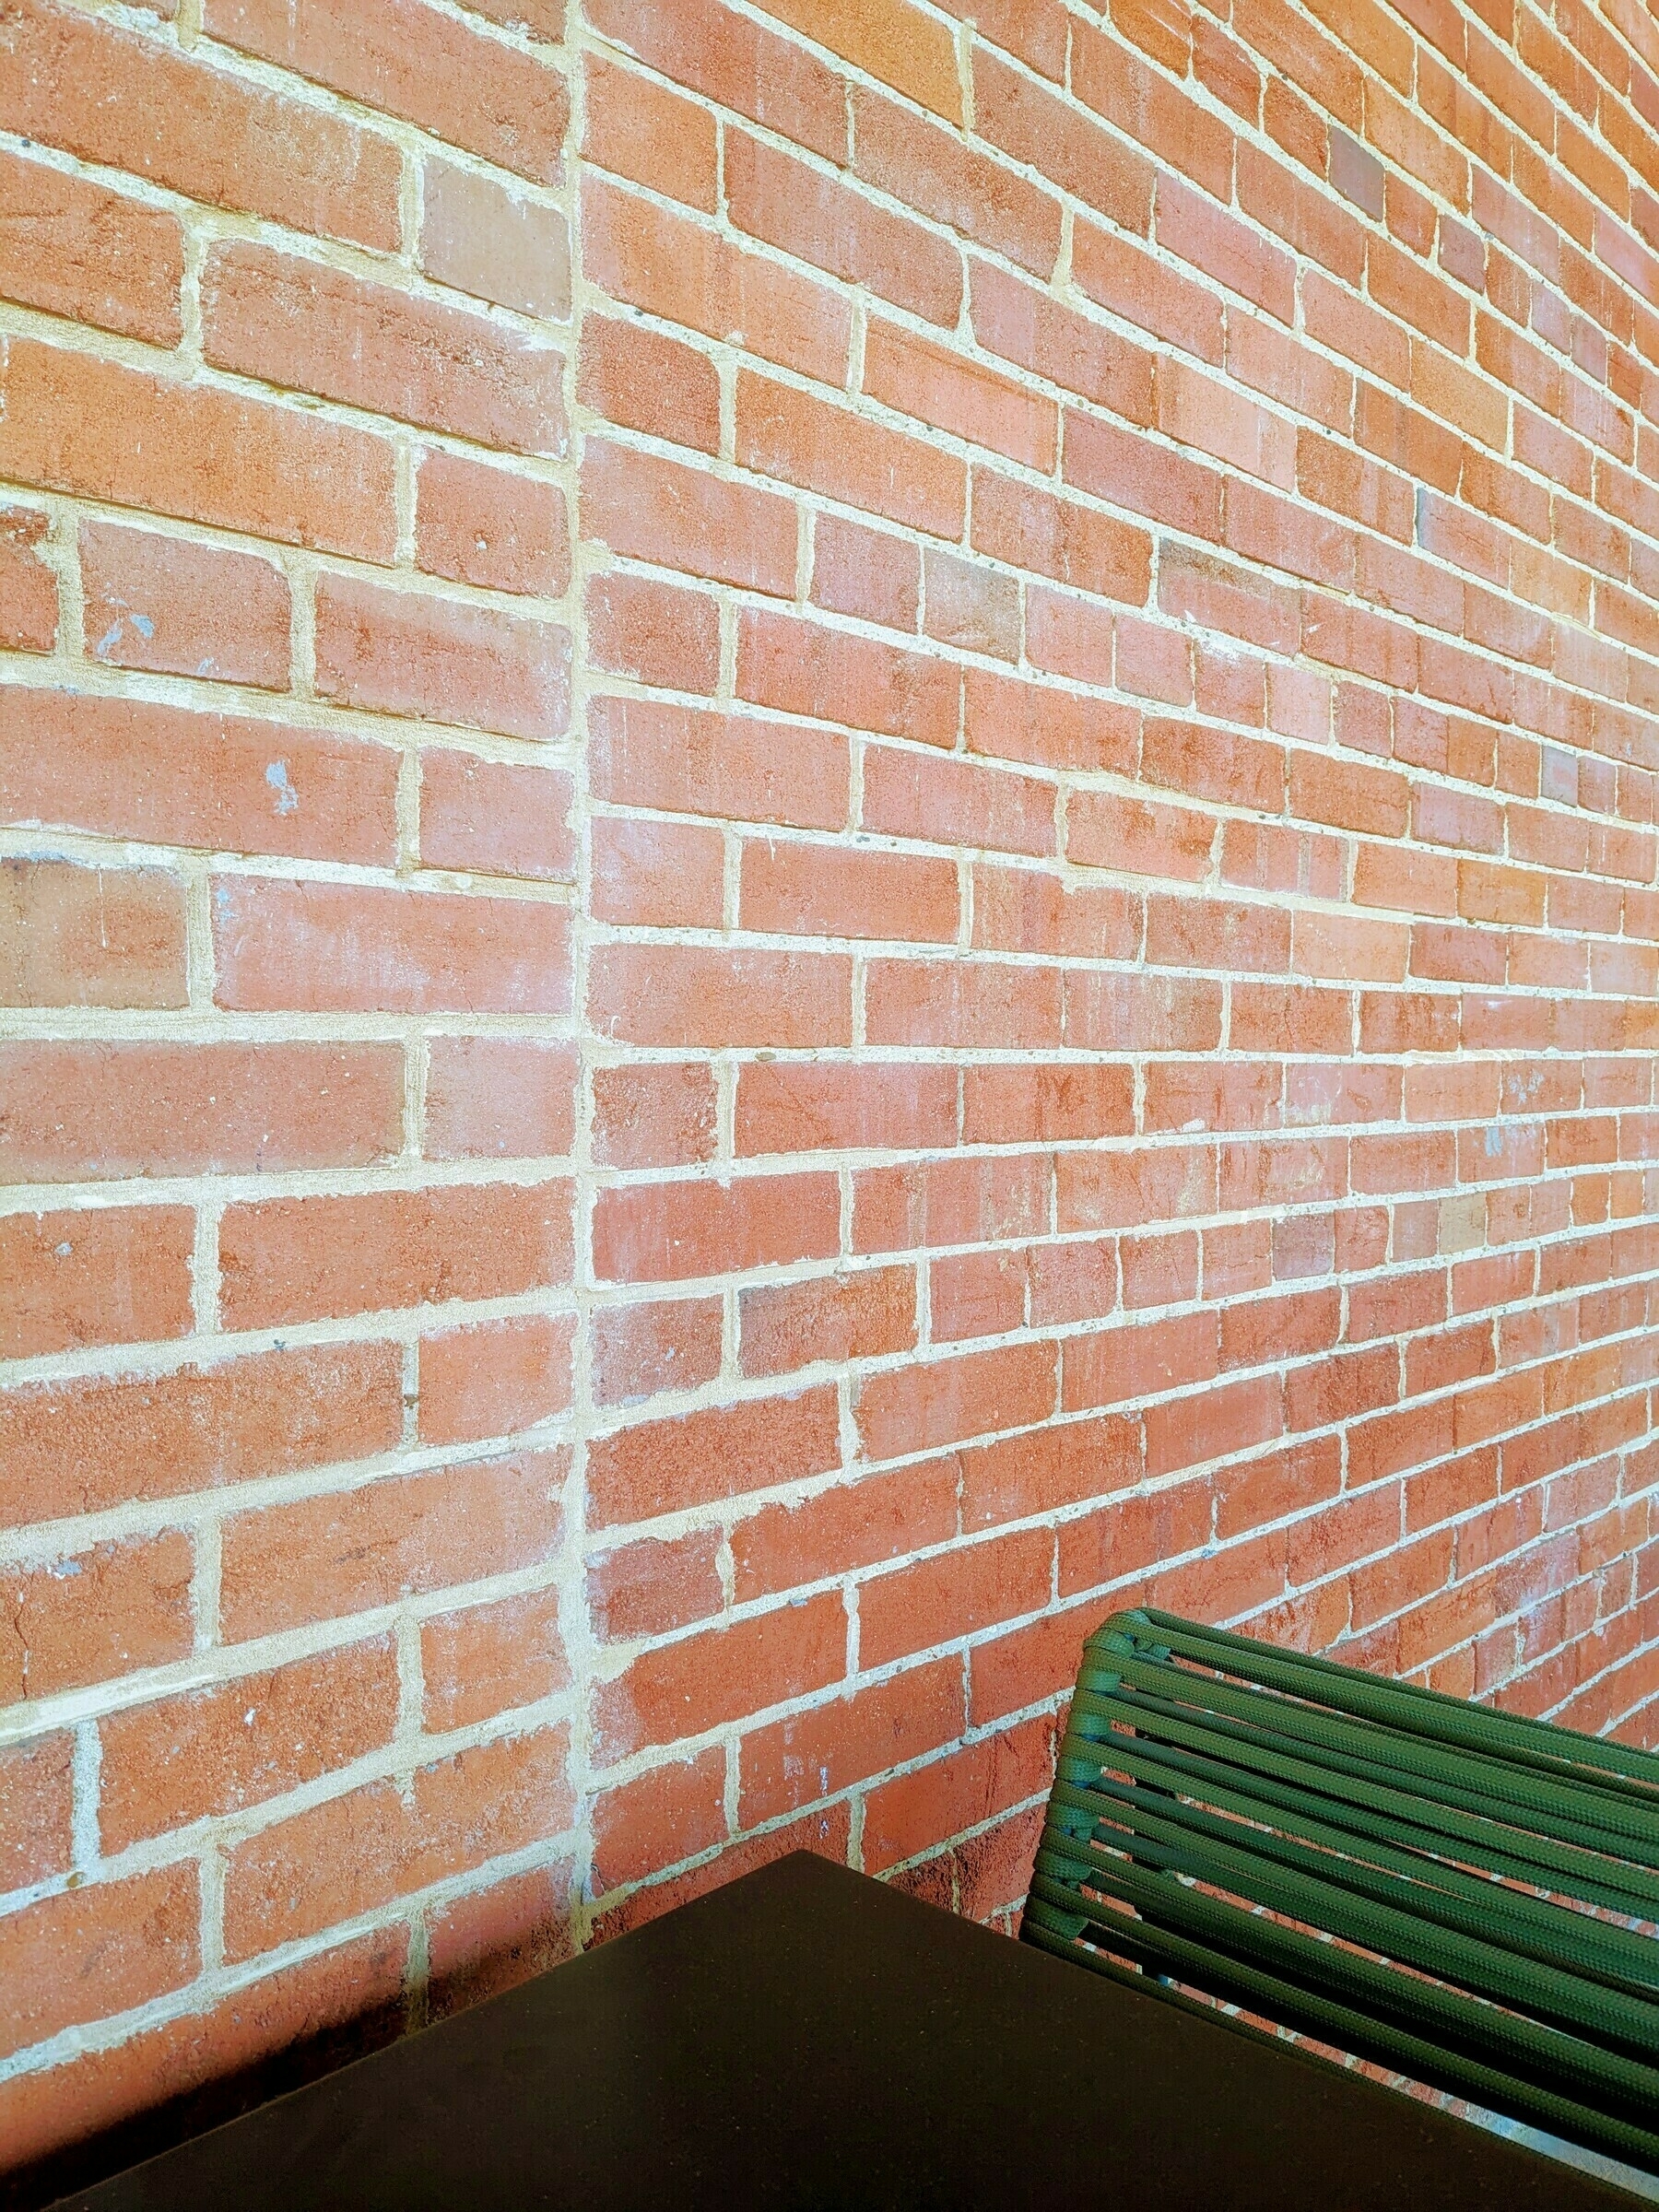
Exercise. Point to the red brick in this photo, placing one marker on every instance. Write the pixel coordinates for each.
(800, 667)
(660, 1344)
(181, 1760)
(806, 441)
(74, 1112)
(136, 769)
(948, 1401)
(37, 1811)
(654, 258)
(663, 511)
(491, 1659)
(934, 1003)
(660, 1114)
(932, 170)
(893, 41)
(940, 1599)
(81, 1279)
(293, 1259)
(85, 936)
(378, 1845)
(964, 1201)
(736, 62)
(76, 250)
(689, 996)
(820, 220)
(668, 1467)
(837, 1317)
(668, 1813)
(342, 947)
(1051, 136)
(853, 1525)
(1030, 528)
(489, 241)
(490, 527)
(398, 1538)
(100, 1949)
(1020, 1477)
(28, 590)
(902, 1817)
(819, 1752)
(82, 1446)
(483, 1945)
(681, 1689)
(493, 1378)
(649, 134)
(404, 653)
(498, 1098)
(493, 818)
(956, 802)
(134, 103)
(73, 423)
(654, 1586)
(406, 59)
(808, 1106)
(654, 633)
(646, 753)
(121, 1606)
(184, 609)
(797, 889)
(638, 378)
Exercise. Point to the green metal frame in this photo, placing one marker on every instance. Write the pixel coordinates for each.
(1466, 1897)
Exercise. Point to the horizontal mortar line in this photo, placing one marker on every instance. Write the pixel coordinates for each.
(222, 1666)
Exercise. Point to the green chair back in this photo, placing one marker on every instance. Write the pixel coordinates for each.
(1466, 1897)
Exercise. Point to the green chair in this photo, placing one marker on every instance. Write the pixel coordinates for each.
(1466, 1897)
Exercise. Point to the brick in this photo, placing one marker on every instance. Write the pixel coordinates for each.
(931, 169)
(805, 1106)
(839, 1317)
(946, 1797)
(82, 1446)
(500, 1936)
(119, 1607)
(891, 41)
(736, 62)
(653, 258)
(657, 1116)
(646, 133)
(408, 59)
(956, 802)
(83, 936)
(920, 1003)
(171, 1763)
(461, 1812)
(662, 512)
(917, 376)
(398, 1537)
(483, 239)
(104, 1948)
(817, 1753)
(867, 572)
(798, 889)
(489, 1659)
(29, 591)
(37, 1823)
(183, 610)
(822, 221)
(676, 1691)
(799, 439)
(647, 753)
(948, 1401)
(76, 1280)
(299, 323)
(940, 1599)
(493, 1378)
(131, 102)
(654, 1586)
(642, 380)
(655, 633)
(663, 1344)
(293, 1259)
(663, 874)
(668, 1467)
(493, 818)
(72, 248)
(671, 1812)
(687, 995)
(799, 667)
(499, 1098)
(849, 1525)
(1026, 120)
(490, 527)
(339, 947)
(72, 1112)
(106, 431)
(1030, 529)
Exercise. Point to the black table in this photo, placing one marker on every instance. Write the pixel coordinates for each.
(807, 2038)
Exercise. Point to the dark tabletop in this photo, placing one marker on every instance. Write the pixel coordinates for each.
(807, 2038)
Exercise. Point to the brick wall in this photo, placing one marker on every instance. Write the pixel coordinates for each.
(830, 832)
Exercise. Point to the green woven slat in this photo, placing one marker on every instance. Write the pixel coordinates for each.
(1414, 1881)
